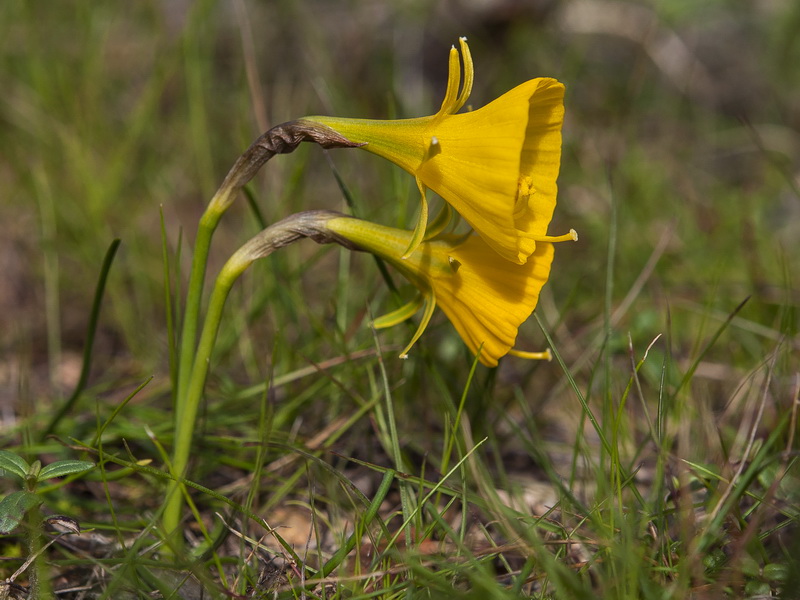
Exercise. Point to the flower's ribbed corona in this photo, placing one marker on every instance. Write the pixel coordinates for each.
(496, 166)
(485, 296)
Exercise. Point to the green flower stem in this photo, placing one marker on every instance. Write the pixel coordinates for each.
(306, 224)
(281, 139)
(193, 361)
(188, 405)
(205, 230)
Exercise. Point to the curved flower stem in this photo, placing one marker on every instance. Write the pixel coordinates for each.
(306, 224)
(205, 229)
(281, 139)
(186, 412)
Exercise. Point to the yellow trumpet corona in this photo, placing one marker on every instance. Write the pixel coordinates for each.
(496, 166)
(485, 296)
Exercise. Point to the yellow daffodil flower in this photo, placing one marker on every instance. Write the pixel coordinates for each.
(496, 166)
(485, 296)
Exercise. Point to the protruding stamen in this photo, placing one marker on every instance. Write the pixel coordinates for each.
(572, 236)
(546, 355)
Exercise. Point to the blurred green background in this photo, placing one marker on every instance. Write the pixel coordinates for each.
(681, 129)
(680, 172)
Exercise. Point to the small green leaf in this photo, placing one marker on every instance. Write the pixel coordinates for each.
(13, 463)
(64, 467)
(776, 572)
(13, 508)
(757, 589)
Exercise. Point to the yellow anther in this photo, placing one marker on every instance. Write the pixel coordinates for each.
(525, 186)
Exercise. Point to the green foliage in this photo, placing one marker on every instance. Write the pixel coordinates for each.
(14, 506)
(654, 458)
(14, 464)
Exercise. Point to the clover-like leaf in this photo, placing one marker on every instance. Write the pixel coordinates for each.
(64, 467)
(13, 463)
(13, 508)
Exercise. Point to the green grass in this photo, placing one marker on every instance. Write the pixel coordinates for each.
(654, 458)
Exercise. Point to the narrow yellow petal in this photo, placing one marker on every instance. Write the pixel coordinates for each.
(453, 83)
(422, 223)
(396, 317)
(439, 222)
(469, 76)
(430, 305)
